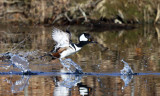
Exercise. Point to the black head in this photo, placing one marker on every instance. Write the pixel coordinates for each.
(84, 39)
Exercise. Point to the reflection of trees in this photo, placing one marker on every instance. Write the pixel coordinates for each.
(139, 47)
(158, 33)
(136, 44)
(34, 38)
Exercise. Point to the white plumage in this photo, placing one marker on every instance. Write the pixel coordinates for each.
(61, 38)
(64, 47)
(70, 50)
(83, 38)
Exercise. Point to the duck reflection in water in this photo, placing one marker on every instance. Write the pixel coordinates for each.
(18, 85)
(67, 83)
(17, 61)
(63, 82)
(126, 74)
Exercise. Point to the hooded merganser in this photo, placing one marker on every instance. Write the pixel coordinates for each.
(64, 46)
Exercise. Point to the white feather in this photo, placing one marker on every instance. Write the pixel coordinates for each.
(83, 38)
(69, 51)
(83, 91)
(61, 38)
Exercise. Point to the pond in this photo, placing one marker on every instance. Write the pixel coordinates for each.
(101, 63)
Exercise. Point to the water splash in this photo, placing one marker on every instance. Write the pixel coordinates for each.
(66, 82)
(20, 62)
(127, 74)
(126, 79)
(126, 69)
(19, 85)
(17, 61)
(70, 81)
(20, 59)
(71, 66)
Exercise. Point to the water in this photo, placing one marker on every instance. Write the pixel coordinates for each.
(71, 66)
(101, 63)
(126, 69)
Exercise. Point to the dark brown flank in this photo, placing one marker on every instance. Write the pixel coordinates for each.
(60, 50)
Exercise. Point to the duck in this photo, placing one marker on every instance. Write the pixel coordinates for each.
(64, 45)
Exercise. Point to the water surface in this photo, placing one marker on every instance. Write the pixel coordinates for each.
(102, 62)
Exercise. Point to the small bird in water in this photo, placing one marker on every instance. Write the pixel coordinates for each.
(64, 46)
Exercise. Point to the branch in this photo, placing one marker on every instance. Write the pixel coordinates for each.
(84, 14)
(57, 18)
(158, 14)
(158, 33)
(65, 14)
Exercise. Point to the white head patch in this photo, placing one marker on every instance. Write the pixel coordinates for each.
(83, 38)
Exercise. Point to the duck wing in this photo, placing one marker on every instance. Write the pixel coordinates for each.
(61, 38)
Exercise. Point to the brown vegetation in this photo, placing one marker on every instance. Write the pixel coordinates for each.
(79, 11)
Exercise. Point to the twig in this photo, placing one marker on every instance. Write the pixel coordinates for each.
(95, 3)
(57, 18)
(158, 33)
(84, 14)
(158, 14)
(65, 14)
